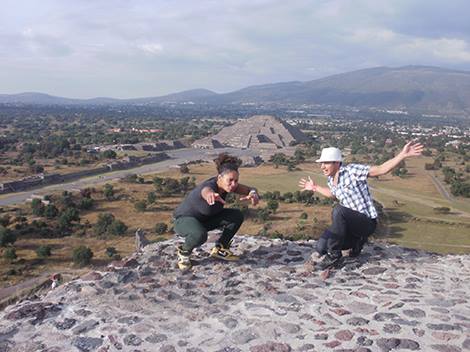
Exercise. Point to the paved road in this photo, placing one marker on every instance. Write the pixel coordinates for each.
(440, 187)
(177, 157)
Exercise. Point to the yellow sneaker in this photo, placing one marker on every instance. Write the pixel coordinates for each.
(184, 263)
(223, 253)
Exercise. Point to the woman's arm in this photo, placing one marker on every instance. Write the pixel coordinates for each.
(249, 193)
(410, 149)
(210, 196)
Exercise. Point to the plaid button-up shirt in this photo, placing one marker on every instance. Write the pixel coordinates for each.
(352, 190)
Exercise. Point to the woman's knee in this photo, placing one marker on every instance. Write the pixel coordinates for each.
(239, 217)
(235, 216)
(191, 230)
(200, 237)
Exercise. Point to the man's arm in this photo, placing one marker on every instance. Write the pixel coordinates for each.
(410, 149)
(309, 185)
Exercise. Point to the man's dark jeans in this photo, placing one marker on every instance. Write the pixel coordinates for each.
(195, 231)
(349, 229)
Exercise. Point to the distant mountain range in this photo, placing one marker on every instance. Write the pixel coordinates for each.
(412, 88)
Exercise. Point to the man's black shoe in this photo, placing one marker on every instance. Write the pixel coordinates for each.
(357, 248)
(330, 262)
(355, 251)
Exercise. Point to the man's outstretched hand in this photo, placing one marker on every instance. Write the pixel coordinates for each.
(308, 184)
(412, 149)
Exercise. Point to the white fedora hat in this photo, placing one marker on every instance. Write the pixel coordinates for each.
(330, 154)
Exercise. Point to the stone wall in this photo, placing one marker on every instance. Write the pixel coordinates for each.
(50, 179)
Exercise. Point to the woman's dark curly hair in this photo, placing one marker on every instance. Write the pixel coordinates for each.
(226, 162)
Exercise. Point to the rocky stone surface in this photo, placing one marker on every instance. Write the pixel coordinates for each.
(388, 299)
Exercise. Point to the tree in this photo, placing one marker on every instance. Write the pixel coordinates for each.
(104, 221)
(299, 155)
(140, 205)
(161, 228)
(67, 216)
(117, 228)
(51, 211)
(43, 251)
(110, 252)
(184, 169)
(6, 236)
(86, 203)
(10, 254)
(5, 220)
(151, 197)
(108, 191)
(279, 159)
(82, 255)
(272, 205)
(37, 207)
(109, 154)
(262, 214)
(303, 216)
(132, 178)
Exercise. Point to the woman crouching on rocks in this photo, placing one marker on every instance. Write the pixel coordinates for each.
(203, 210)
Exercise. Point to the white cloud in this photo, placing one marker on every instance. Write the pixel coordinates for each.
(376, 35)
(120, 48)
(452, 50)
(151, 48)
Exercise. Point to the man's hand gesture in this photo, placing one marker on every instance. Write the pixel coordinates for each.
(412, 149)
(308, 184)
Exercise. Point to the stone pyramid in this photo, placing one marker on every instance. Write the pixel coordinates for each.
(257, 132)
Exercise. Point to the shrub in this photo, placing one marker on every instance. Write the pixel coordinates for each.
(441, 210)
(117, 228)
(161, 228)
(132, 178)
(82, 255)
(37, 207)
(262, 214)
(108, 191)
(10, 254)
(86, 203)
(273, 205)
(51, 211)
(184, 169)
(6, 236)
(5, 220)
(303, 216)
(67, 216)
(43, 251)
(140, 205)
(109, 154)
(151, 197)
(111, 252)
(104, 221)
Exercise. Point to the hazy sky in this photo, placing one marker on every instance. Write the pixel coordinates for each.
(132, 48)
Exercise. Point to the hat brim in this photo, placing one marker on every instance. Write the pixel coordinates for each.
(327, 161)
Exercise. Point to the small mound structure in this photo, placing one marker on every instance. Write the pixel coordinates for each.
(391, 298)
